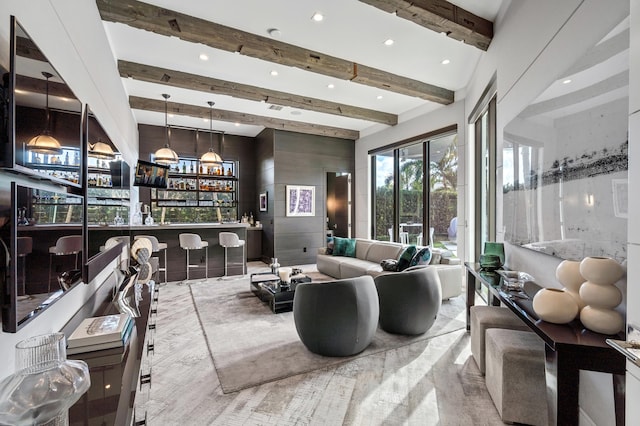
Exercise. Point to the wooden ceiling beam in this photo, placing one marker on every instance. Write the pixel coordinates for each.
(157, 105)
(188, 28)
(443, 17)
(200, 83)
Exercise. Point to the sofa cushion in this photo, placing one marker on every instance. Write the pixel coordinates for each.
(422, 257)
(355, 268)
(382, 250)
(362, 247)
(405, 258)
(344, 247)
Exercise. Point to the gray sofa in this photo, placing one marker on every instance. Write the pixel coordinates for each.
(370, 253)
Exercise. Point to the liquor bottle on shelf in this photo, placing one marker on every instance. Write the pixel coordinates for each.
(76, 159)
(184, 167)
(229, 171)
(66, 158)
(200, 169)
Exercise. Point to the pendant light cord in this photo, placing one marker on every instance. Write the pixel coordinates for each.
(46, 108)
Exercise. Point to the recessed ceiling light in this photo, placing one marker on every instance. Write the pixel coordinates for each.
(204, 57)
(318, 16)
(274, 32)
(379, 97)
(567, 81)
(274, 73)
(445, 62)
(171, 115)
(388, 42)
(237, 124)
(331, 86)
(20, 91)
(296, 112)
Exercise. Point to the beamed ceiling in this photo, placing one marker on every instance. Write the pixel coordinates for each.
(336, 77)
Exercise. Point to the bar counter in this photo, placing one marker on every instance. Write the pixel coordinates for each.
(45, 236)
(176, 256)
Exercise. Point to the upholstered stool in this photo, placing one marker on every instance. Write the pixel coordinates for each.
(65, 246)
(114, 241)
(231, 239)
(193, 242)
(157, 246)
(515, 376)
(485, 317)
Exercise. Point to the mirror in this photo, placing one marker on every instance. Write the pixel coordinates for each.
(42, 105)
(565, 159)
(43, 240)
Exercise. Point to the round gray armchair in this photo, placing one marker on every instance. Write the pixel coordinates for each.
(409, 300)
(337, 318)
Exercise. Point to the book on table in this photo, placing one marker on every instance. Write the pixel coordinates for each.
(98, 330)
(120, 343)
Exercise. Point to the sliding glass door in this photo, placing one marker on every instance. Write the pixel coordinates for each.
(405, 207)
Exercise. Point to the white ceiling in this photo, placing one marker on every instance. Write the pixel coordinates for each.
(351, 30)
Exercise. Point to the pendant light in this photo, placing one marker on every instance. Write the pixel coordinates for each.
(210, 158)
(166, 155)
(44, 143)
(101, 150)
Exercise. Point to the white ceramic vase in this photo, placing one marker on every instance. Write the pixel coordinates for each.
(556, 306)
(568, 273)
(600, 295)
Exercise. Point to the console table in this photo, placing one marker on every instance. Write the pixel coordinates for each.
(120, 380)
(569, 348)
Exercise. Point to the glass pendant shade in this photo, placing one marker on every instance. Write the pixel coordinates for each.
(166, 155)
(210, 158)
(101, 150)
(45, 143)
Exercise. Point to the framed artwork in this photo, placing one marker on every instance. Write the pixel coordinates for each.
(301, 200)
(263, 201)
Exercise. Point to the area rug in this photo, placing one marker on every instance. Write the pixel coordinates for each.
(250, 345)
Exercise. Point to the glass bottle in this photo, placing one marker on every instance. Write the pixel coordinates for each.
(184, 168)
(45, 383)
(275, 266)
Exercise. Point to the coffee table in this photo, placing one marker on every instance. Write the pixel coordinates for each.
(269, 289)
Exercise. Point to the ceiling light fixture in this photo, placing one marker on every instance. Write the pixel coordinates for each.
(274, 32)
(274, 73)
(331, 86)
(101, 150)
(379, 97)
(318, 16)
(388, 42)
(210, 158)
(237, 124)
(166, 155)
(204, 57)
(44, 143)
(567, 81)
(445, 62)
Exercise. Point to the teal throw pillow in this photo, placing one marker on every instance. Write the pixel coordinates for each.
(350, 247)
(405, 258)
(422, 257)
(344, 247)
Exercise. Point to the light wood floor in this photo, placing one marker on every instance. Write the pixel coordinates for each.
(433, 382)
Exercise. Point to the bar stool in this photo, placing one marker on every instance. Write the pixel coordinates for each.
(157, 246)
(65, 246)
(194, 242)
(25, 247)
(230, 239)
(404, 237)
(113, 241)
